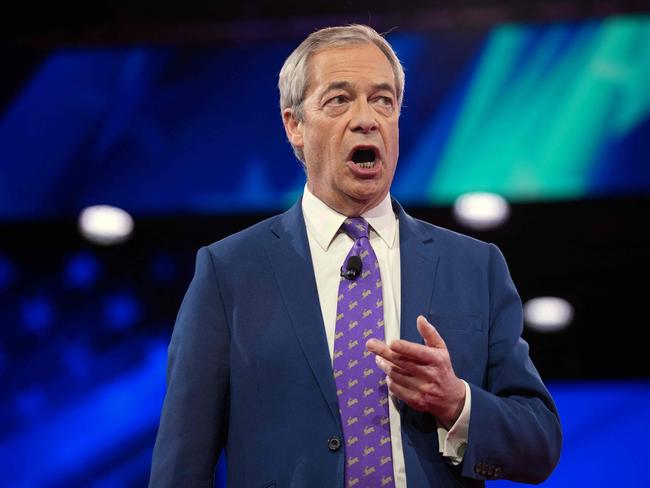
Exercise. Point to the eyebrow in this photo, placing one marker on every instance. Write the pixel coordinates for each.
(337, 85)
(384, 86)
(346, 85)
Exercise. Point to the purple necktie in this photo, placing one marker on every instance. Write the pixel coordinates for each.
(361, 385)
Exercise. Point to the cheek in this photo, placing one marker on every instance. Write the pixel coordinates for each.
(394, 142)
(334, 150)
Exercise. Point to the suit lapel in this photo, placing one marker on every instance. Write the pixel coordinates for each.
(418, 266)
(292, 265)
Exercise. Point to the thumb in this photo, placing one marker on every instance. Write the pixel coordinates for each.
(429, 333)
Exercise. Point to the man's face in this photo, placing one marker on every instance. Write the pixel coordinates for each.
(349, 132)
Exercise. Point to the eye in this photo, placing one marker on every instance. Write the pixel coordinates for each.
(385, 101)
(337, 100)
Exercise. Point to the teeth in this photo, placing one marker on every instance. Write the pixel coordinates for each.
(367, 165)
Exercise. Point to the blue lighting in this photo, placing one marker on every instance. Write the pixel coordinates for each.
(171, 131)
(600, 419)
(37, 314)
(31, 402)
(82, 270)
(76, 356)
(81, 432)
(121, 311)
(157, 134)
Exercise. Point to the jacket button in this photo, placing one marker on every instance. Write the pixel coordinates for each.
(334, 444)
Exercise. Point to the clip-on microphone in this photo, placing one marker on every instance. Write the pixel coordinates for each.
(352, 268)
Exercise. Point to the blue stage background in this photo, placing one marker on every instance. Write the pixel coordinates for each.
(169, 129)
(536, 112)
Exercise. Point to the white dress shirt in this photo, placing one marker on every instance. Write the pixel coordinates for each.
(329, 244)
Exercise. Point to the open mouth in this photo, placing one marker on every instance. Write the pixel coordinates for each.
(364, 158)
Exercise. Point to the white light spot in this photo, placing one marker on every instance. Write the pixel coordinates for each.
(547, 314)
(481, 210)
(105, 225)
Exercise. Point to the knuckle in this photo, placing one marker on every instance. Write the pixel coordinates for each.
(425, 389)
(420, 402)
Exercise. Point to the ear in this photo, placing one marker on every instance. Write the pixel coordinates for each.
(293, 128)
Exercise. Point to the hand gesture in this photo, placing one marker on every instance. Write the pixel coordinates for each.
(422, 375)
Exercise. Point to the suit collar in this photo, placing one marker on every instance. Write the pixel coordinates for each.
(292, 265)
(418, 266)
(411, 228)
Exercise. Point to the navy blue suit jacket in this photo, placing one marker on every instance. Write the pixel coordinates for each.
(249, 367)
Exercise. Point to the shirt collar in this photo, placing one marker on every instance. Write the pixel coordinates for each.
(323, 222)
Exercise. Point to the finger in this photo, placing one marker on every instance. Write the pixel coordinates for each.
(388, 360)
(417, 353)
(410, 367)
(389, 367)
(414, 383)
(412, 398)
(381, 349)
(376, 346)
(429, 333)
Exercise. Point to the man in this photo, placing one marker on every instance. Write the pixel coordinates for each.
(305, 347)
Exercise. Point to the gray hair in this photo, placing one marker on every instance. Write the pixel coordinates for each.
(294, 76)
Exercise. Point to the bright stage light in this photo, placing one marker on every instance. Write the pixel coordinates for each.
(547, 314)
(105, 225)
(481, 210)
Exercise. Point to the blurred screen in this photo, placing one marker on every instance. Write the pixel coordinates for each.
(528, 111)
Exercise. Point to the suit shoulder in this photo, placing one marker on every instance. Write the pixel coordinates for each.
(244, 242)
(453, 242)
(449, 235)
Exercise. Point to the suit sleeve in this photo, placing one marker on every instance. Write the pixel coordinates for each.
(193, 422)
(514, 430)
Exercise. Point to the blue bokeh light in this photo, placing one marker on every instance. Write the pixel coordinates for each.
(82, 270)
(37, 314)
(121, 310)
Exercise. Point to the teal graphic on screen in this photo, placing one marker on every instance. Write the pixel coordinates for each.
(530, 111)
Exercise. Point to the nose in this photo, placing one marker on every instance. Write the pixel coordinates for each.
(363, 118)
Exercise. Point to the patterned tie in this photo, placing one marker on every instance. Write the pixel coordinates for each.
(361, 385)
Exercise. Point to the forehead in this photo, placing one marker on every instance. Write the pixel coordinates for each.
(356, 64)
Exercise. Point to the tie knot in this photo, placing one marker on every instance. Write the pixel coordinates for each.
(355, 227)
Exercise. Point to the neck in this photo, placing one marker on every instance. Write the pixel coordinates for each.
(346, 205)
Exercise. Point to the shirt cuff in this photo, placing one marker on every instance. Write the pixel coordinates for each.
(453, 442)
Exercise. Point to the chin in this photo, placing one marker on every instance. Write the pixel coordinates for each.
(370, 187)
(367, 196)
